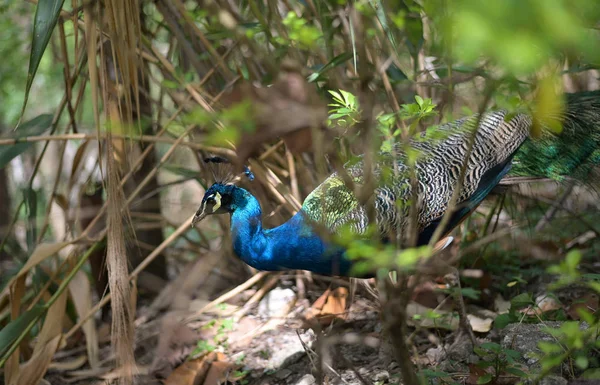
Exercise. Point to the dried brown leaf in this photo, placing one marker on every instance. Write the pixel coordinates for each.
(46, 345)
(589, 302)
(41, 252)
(192, 372)
(81, 294)
(16, 291)
(70, 365)
(33, 371)
(329, 306)
(218, 373)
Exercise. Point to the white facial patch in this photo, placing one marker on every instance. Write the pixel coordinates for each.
(217, 202)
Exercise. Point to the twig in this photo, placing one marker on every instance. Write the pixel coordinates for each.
(257, 296)
(230, 294)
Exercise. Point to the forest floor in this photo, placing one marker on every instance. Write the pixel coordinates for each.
(276, 332)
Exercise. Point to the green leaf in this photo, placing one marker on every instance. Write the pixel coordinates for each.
(582, 362)
(521, 300)
(11, 332)
(511, 353)
(336, 61)
(591, 374)
(491, 346)
(419, 100)
(503, 320)
(433, 374)
(549, 347)
(33, 127)
(549, 362)
(485, 378)
(46, 16)
(516, 371)
(30, 199)
(595, 286)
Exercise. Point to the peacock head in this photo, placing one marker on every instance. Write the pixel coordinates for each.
(220, 198)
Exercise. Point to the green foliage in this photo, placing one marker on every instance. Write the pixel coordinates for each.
(299, 32)
(46, 17)
(344, 109)
(567, 269)
(433, 377)
(202, 347)
(521, 36)
(224, 126)
(573, 343)
(497, 361)
(219, 341)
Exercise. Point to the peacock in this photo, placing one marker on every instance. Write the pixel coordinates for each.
(501, 141)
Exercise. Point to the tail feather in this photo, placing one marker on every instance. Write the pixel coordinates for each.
(572, 153)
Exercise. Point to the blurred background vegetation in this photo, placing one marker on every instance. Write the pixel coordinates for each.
(133, 93)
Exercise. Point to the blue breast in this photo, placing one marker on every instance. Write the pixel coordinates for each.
(292, 246)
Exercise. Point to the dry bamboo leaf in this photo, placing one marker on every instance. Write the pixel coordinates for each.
(81, 294)
(41, 252)
(33, 371)
(17, 289)
(46, 345)
(77, 161)
(68, 366)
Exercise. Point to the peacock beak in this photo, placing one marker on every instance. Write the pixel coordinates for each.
(202, 211)
(200, 215)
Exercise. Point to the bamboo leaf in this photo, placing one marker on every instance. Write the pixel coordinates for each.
(10, 332)
(35, 126)
(46, 16)
(336, 61)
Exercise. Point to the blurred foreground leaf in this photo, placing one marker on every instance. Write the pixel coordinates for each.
(32, 127)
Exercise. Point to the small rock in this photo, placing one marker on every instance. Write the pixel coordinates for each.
(553, 380)
(307, 379)
(382, 376)
(524, 338)
(290, 349)
(275, 301)
(283, 373)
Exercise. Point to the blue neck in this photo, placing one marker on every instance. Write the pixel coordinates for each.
(292, 246)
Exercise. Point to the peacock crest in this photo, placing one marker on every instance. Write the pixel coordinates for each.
(223, 171)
